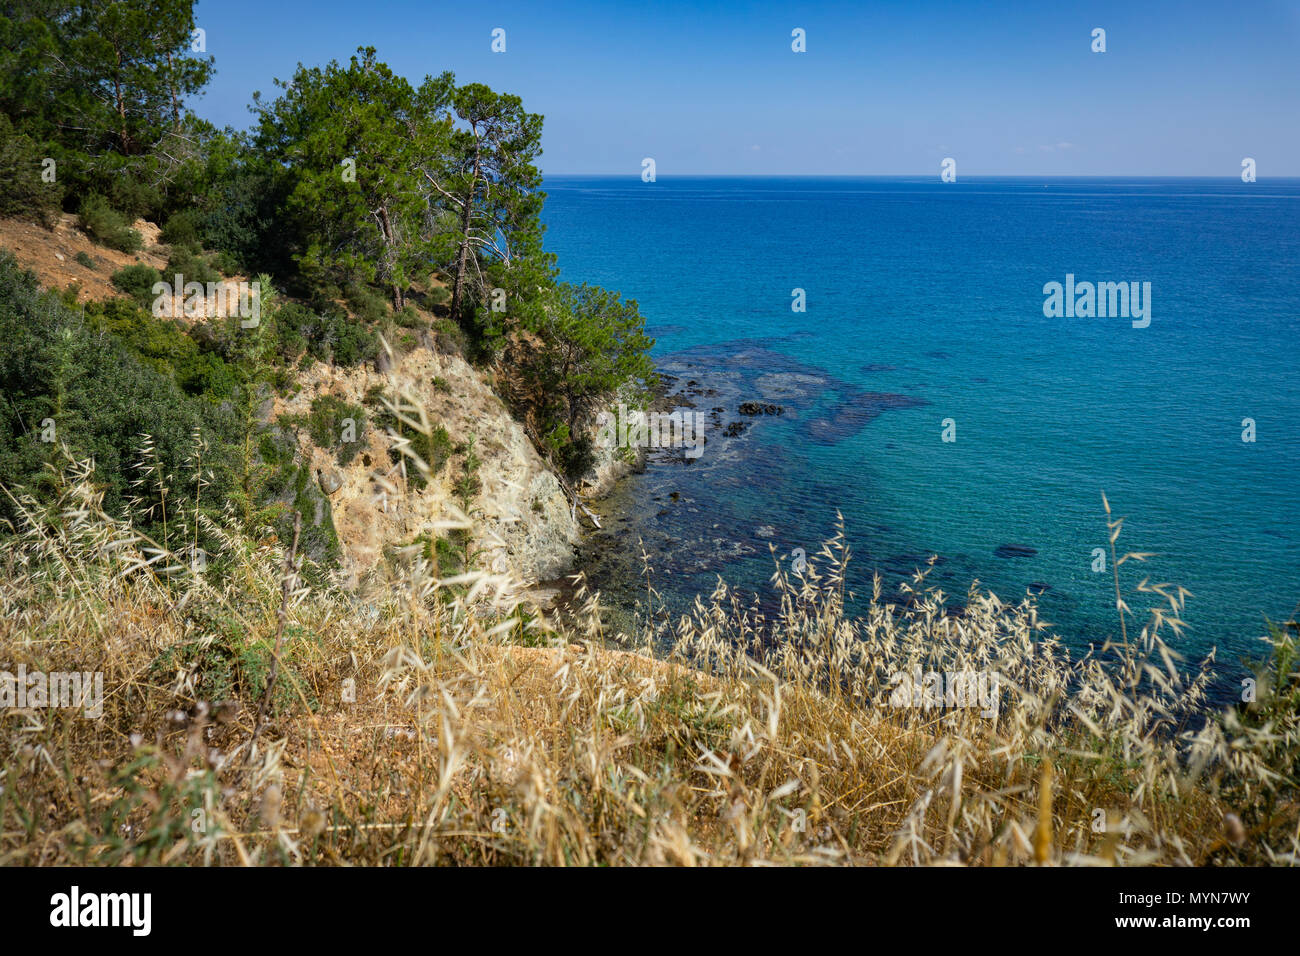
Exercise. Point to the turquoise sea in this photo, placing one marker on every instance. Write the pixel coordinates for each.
(924, 302)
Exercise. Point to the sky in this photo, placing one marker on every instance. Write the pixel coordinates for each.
(884, 88)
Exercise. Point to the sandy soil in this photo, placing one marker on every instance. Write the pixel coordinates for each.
(51, 254)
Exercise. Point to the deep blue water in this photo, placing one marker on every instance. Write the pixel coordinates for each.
(924, 303)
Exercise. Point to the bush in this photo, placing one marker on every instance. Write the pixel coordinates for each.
(431, 444)
(85, 260)
(325, 336)
(408, 318)
(137, 281)
(468, 484)
(239, 220)
(352, 342)
(576, 458)
(450, 337)
(182, 229)
(227, 663)
(164, 345)
(128, 184)
(294, 324)
(194, 267)
(102, 394)
(435, 448)
(366, 304)
(107, 226)
(328, 421)
(226, 263)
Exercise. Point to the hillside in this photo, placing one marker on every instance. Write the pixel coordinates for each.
(441, 723)
(521, 521)
(52, 255)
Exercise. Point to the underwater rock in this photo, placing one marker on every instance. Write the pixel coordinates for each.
(1015, 551)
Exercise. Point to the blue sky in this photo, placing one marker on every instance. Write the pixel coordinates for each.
(885, 88)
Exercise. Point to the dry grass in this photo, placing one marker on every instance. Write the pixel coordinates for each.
(431, 721)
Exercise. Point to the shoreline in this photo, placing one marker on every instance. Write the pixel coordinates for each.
(610, 557)
(597, 491)
(609, 496)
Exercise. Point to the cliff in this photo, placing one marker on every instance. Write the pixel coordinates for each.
(522, 519)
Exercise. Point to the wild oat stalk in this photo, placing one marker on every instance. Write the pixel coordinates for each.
(436, 720)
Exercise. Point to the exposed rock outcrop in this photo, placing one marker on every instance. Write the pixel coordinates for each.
(523, 521)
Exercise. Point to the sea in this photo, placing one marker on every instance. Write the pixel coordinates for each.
(934, 400)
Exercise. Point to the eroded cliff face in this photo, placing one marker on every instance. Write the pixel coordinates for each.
(522, 520)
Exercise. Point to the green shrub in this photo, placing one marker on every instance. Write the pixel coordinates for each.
(324, 336)
(328, 423)
(130, 184)
(433, 449)
(182, 229)
(85, 260)
(576, 457)
(290, 486)
(228, 663)
(408, 318)
(445, 557)
(184, 261)
(137, 281)
(351, 342)
(103, 394)
(468, 484)
(165, 345)
(450, 337)
(366, 304)
(294, 328)
(239, 219)
(107, 226)
(226, 263)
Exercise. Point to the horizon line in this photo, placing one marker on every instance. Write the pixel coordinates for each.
(635, 174)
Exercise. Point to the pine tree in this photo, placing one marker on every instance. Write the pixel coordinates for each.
(350, 138)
